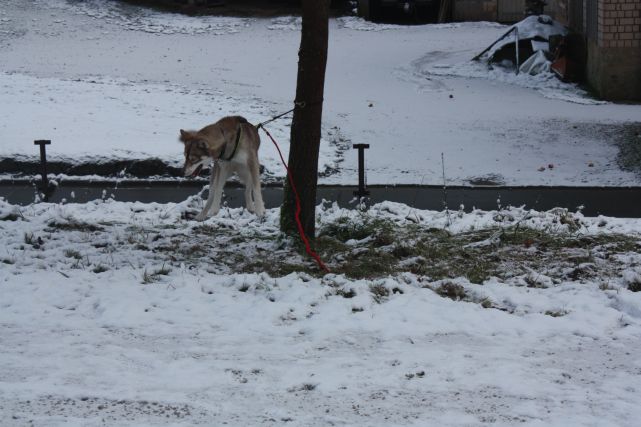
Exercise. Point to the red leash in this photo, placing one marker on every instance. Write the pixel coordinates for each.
(308, 247)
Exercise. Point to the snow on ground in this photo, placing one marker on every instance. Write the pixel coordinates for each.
(545, 83)
(408, 91)
(99, 327)
(154, 114)
(136, 18)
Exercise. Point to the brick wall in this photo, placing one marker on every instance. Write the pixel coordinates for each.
(613, 29)
(619, 23)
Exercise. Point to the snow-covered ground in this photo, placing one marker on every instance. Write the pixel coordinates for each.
(101, 325)
(104, 80)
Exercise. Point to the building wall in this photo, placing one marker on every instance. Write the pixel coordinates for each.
(475, 10)
(619, 23)
(614, 55)
(507, 11)
(510, 10)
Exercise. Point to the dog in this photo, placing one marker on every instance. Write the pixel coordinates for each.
(232, 145)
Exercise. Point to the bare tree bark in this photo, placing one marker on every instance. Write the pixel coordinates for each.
(306, 123)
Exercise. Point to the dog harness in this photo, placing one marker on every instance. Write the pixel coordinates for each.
(231, 156)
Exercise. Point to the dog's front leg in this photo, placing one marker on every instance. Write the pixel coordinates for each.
(222, 173)
(259, 205)
(245, 177)
(210, 198)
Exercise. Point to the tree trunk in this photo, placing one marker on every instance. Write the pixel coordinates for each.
(306, 123)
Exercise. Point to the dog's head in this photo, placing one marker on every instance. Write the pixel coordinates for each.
(196, 153)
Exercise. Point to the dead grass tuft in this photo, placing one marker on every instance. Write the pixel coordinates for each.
(73, 225)
(100, 269)
(635, 285)
(452, 291)
(379, 292)
(154, 275)
(72, 253)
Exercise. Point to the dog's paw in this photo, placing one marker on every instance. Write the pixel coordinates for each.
(200, 217)
(259, 210)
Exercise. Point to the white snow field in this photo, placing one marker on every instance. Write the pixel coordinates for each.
(103, 80)
(99, 326)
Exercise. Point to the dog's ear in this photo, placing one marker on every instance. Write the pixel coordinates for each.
(185, 136)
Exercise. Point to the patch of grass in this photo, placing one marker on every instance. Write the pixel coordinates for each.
(371, 263)
(11, 216)
(403, 250)
(154, 275)
(486, 303)
(617, 243)
(556, 313)
(74, 225)
(583, 271)
(442, 256)
(29, 238)
(148, 278)
(452, 291)
(329, 245)
(534, 281)
(277, 269)
(191, 250)
(364, 247)
(346, 229)
(475, 255)
(302, 387)
(100, 269)
(478, 271)
(137, 235)
(350, 293)
(581, 259)
(288, 268)
(419, 374)
(384, 235)
(379, 292)
(72, 253)
(210, 230)
(528, 237)
(635, 285)
(162, 271)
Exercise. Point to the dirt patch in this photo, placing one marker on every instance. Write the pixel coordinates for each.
(629, 142)
(108, 410)
(142, 168)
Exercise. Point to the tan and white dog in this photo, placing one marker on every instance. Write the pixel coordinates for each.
(232, 145)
